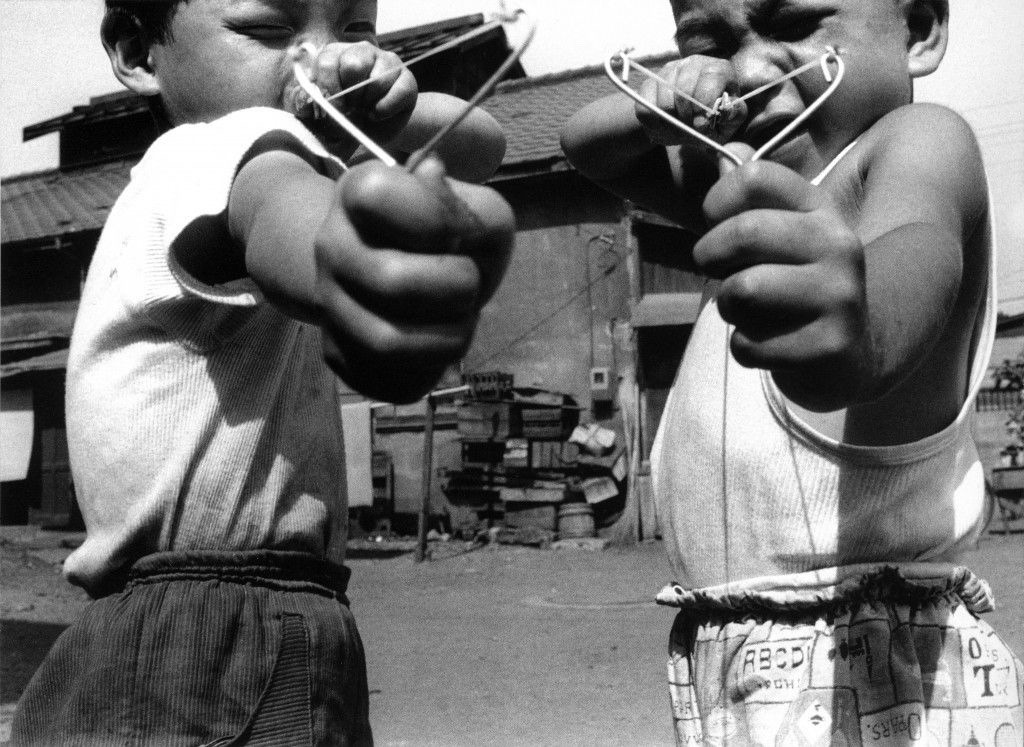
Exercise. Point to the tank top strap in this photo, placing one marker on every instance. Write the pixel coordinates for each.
(986, 334)
(835, 162)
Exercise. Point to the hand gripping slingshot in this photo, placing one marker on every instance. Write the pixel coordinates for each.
(308, 53)
(832, 68)
(724, 103)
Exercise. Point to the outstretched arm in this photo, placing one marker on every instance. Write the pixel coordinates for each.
(605, 142)
(394, 266)
(846, 303)
(471, 151)
(384, 101)
(631, 152)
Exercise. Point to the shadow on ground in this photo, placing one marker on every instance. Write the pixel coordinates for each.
(31, 641)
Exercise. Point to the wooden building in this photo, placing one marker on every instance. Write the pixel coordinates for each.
(50, 225)
(593, 304)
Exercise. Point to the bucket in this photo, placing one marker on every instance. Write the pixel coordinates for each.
(575, 520)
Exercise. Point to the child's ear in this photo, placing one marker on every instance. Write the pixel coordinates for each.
(928, 24)
(128, 47)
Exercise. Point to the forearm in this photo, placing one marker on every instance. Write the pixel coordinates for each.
(472, 151)
(921, 265)
(897, 323)
(278, 202)
(606, 143)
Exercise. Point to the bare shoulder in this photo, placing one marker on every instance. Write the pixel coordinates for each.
(929, 138)
(922, 161)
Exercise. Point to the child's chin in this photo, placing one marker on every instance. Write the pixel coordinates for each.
(794, 153)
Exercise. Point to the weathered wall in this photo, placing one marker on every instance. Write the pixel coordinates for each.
(549, 322)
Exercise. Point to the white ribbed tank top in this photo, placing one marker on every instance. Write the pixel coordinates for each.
(746, 489)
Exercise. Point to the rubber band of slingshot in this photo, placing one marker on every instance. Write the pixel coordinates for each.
(491, 25)
(314, 93)
(483, 92)
(324, 102)
(622, 85)
(630, 63)
(830, 56)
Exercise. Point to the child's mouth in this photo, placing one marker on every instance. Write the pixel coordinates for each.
(763, 129)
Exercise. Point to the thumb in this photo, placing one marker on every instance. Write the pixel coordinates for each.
(726, 164)
(432, 174)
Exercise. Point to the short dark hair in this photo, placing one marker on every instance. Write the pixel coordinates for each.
(152, 16)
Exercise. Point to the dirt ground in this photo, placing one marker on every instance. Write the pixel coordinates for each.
(501, 645)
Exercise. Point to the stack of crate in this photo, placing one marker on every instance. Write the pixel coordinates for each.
(512, 444)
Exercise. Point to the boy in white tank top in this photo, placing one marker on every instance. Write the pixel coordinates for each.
(814, 468)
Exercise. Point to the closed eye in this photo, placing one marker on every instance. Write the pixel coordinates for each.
(360, 31)
(711, 38)
(264, 31)
(792, 27)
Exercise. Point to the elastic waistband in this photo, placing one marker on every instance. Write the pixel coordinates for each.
(276, 569)
(905, 583)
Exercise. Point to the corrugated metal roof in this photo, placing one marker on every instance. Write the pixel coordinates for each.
(534, 110)
(56, 204)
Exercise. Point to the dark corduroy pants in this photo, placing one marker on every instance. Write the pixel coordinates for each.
(256, 648)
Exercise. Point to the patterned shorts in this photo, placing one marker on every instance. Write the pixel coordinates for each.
(859, 655)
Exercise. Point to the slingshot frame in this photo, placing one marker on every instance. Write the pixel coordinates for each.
(621, 81)
(324, 102)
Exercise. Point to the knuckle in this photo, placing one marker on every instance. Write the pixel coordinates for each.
(745, 226)
(391, 277)
(387, 342)
(366, 184)
(744, 288)
(720, 67)
(356, 56)
(753, 174)
(744, 351)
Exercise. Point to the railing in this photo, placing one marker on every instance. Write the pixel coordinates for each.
(991, 400)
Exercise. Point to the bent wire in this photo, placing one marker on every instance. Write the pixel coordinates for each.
(317, 96)
(621, 81)
(324, 102)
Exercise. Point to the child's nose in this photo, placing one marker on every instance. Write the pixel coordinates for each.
(756, 65)
(320, 37)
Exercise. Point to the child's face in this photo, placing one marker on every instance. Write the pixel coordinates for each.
(225, 55)
(765, 39)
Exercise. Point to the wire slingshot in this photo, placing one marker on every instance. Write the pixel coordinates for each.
(726, 102)
(309, 52)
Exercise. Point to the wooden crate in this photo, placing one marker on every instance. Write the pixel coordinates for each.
(493, 421)
(552, 423)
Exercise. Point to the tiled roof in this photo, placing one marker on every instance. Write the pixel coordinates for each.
(55, 204)
(55, 360)
(406, 43)
(107, 106)
(25, 323)
(532, 111)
